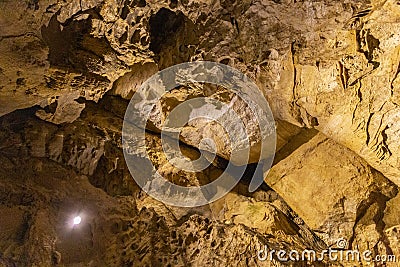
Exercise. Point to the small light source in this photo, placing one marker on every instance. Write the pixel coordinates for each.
(77, 220)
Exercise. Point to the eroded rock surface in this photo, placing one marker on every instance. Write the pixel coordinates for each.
(121, 224)
(335, 192)
(329, 69)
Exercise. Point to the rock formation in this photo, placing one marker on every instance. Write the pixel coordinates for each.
(329, 70)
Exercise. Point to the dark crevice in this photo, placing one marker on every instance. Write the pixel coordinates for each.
(71, 45)
(366, 128)
(382, 148)
(367, 44)
(380, 199)
(173, 4)
(124, 12)
(172, 33)
(163, 26)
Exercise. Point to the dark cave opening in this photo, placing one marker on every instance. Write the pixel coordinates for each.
(163, 25)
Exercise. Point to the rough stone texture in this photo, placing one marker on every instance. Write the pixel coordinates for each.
(336, 193)
(326, 67)
(91, 44)
(223, 130)
(65, 109)
(122, 225)
(347, 90)
(391, 217)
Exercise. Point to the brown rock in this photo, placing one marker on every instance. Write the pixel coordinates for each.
(330, 187)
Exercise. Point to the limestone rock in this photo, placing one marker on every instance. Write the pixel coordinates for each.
(347, 90)
(331, 188)
(391, 217)
(125, 39)
(43, 194)
(67, 110)
(329, 69)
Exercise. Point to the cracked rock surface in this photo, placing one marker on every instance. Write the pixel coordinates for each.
(68, 68)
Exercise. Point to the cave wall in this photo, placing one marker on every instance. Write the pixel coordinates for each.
(329, 70)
